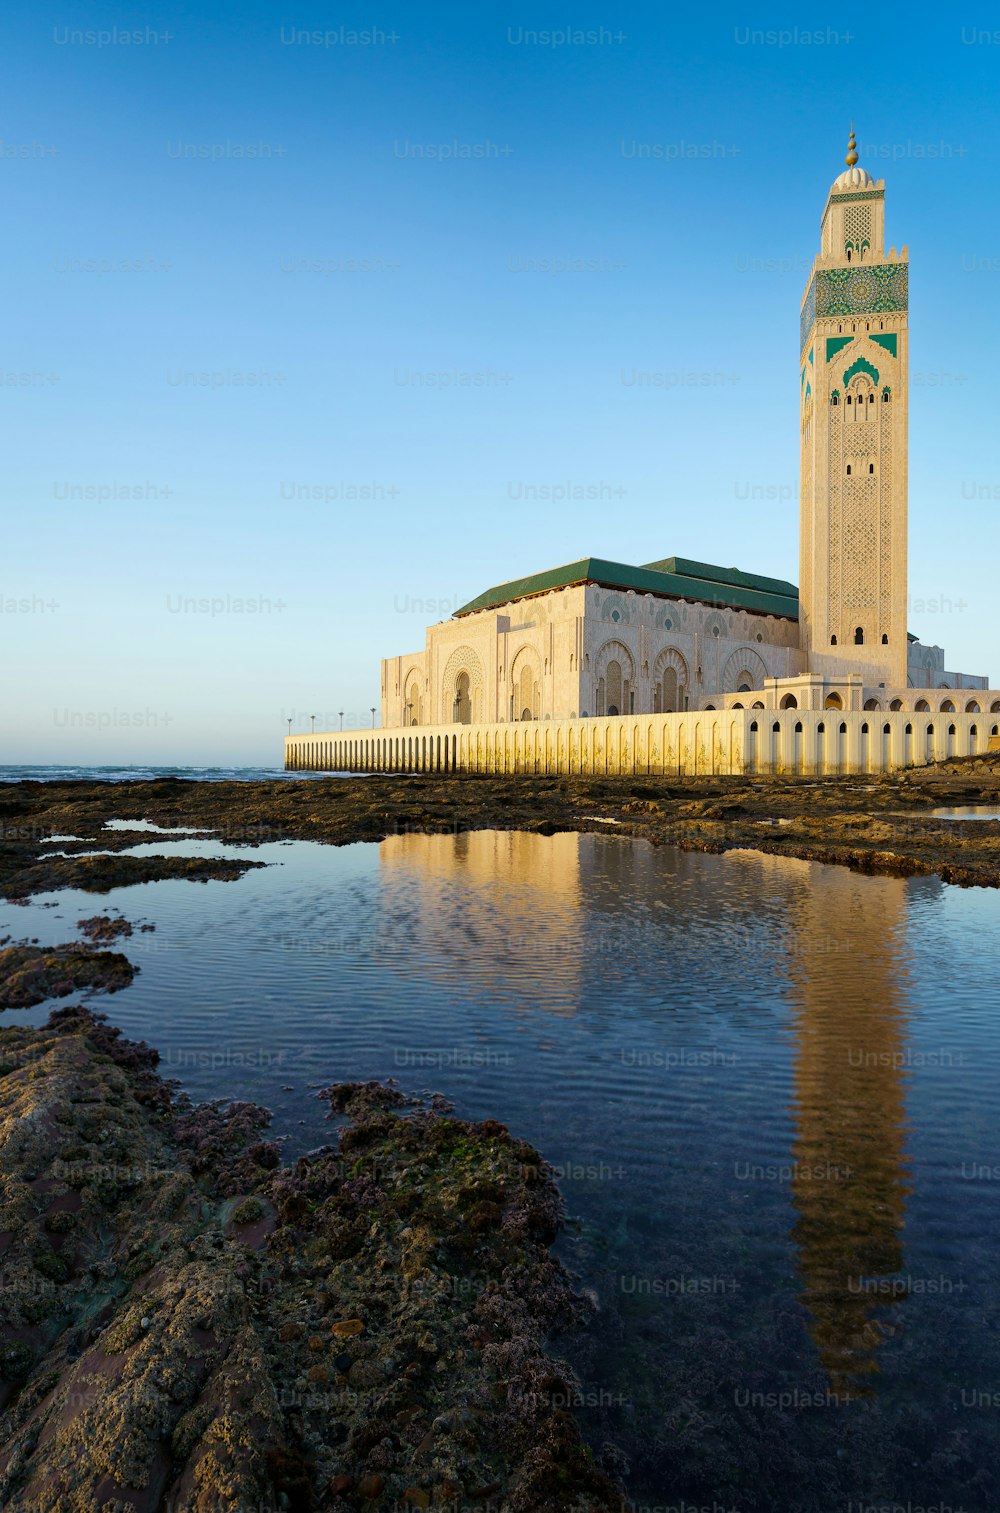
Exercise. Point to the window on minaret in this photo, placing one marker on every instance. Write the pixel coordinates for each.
(871, 467)
(848, 465)
(885, 640)
(859, 637)
(833, 640)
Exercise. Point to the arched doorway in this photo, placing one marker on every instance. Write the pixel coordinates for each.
(463, 699)
(670, 682)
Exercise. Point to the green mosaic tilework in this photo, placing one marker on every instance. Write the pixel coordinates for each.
(835, 343)
(888, 341)
(860, 194)
(868, 289)
(861, 366)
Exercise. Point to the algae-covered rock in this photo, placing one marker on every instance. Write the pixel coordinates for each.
(29, 974)
(183, 1327)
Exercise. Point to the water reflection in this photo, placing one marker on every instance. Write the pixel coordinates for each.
(834, 946)
(850, 988)
(656, 1022)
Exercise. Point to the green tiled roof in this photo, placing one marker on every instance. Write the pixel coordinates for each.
(673, 578)
(731, 575)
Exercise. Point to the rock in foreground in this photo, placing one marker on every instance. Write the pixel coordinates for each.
(186, 1325)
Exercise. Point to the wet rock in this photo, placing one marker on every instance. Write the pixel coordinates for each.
(30, 974)
(155, 1326)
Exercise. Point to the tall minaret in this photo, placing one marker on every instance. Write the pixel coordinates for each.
(853, 407)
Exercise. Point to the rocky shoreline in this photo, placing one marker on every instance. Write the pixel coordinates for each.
(879, 824)
(185, 1324)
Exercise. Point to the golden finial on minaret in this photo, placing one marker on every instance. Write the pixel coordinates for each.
(852, 150)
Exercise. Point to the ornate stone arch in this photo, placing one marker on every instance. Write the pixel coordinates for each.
(524, 685)
(462, 660)
(614, 678)
(743, 664)
(671, 679)
(413, 696)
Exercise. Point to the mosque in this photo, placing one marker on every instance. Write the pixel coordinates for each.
(598, 641)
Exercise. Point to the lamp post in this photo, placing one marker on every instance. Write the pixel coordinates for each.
(372, 707)
(313, 718)
(409, 714)
(289, 725)
(341, 713)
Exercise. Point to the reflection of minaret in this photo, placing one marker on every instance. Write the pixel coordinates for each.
(849, 986)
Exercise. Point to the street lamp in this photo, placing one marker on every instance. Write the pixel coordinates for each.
(289, 725)
(313, 718)
(409, 714)
(341, 719)
(372, 707)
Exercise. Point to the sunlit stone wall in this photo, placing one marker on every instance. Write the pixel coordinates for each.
(708, 741)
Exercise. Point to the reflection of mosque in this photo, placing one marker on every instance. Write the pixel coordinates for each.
(850, 986)
(574, 913)
(497, 907)
(557, 917)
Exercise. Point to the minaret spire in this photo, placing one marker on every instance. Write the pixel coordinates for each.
(852, 150)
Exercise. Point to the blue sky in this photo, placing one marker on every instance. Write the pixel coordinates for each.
(246, 273)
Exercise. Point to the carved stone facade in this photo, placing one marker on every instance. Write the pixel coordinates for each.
(584, 651)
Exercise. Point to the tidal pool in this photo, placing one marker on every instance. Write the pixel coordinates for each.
(770, 1089)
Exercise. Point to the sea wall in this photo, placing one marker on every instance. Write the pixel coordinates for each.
(727, 741)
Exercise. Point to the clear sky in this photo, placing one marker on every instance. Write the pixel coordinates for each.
(249, 256)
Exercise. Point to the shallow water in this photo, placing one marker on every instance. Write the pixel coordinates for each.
(770, 1086)
(967, 812)
(111, 774)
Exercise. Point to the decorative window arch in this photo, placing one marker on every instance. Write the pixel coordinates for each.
(744, 669)
(614, 678)
(462, 659)
(671, 680)
(860, 365)
(525, 684)
(413, 697)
